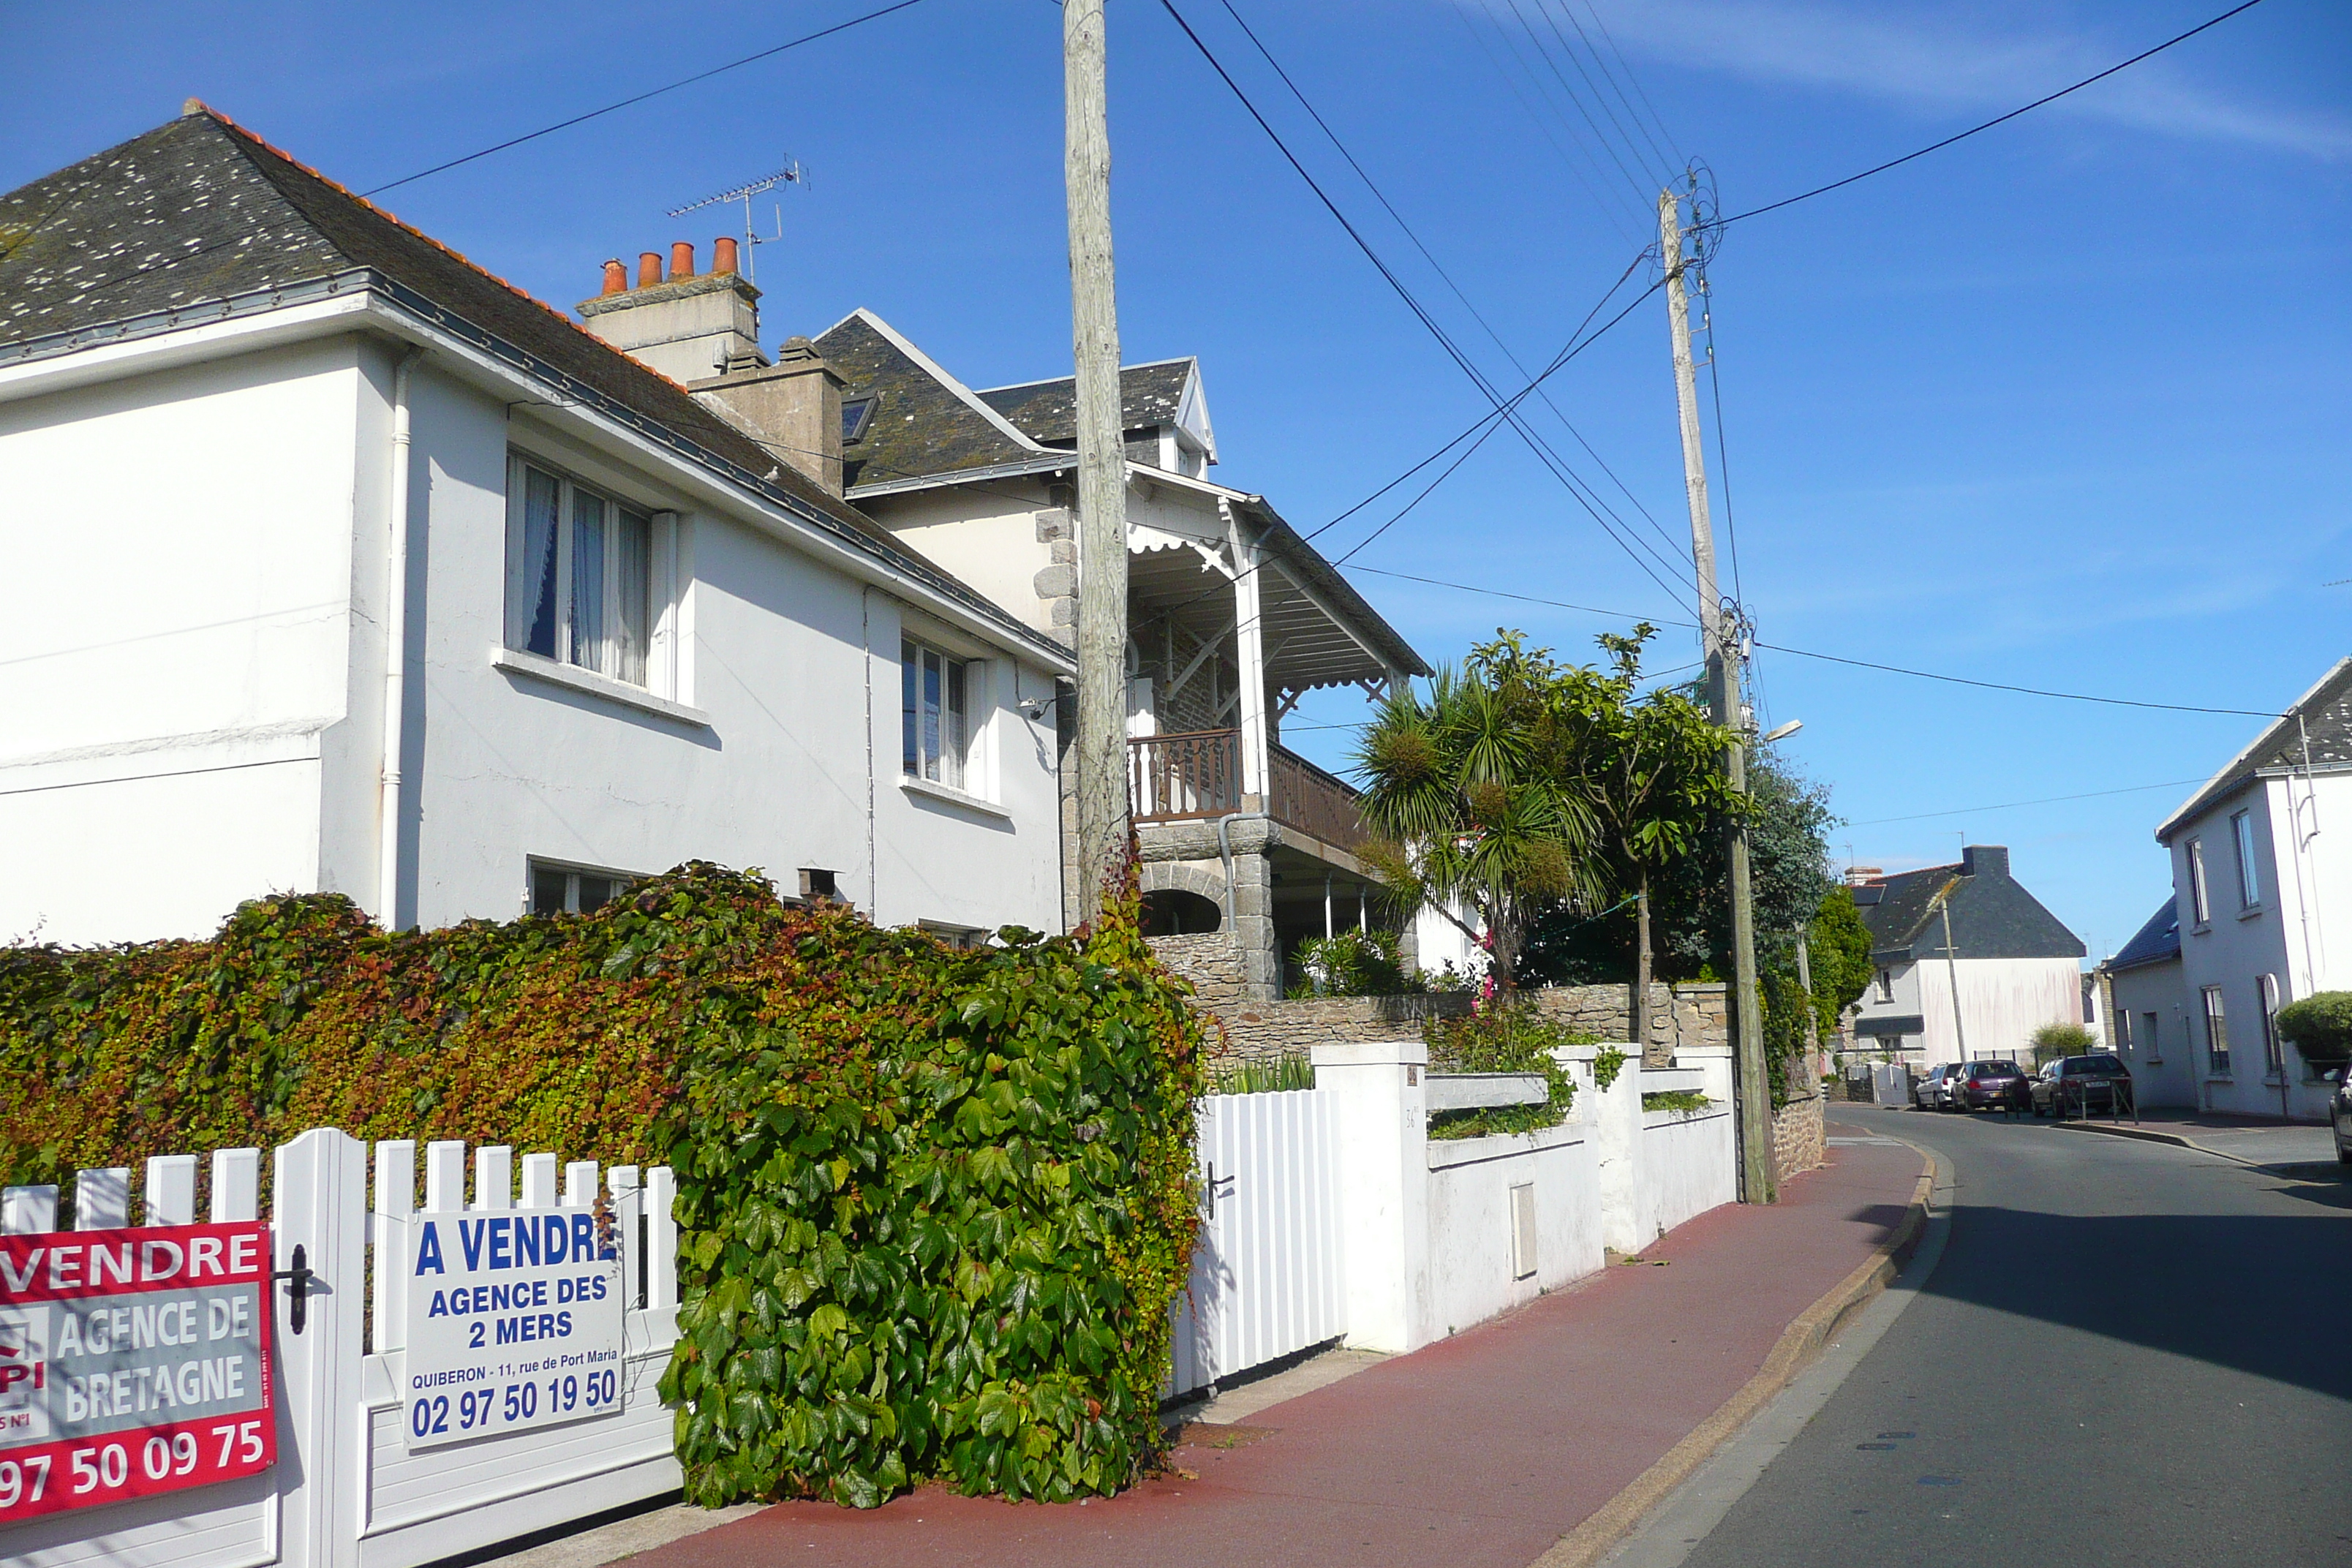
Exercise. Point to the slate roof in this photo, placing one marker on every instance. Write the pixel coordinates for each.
(2157, 941)
(1047, 411)
(924, 421)
(1992, 914)
(2326, 714)
(200, 209)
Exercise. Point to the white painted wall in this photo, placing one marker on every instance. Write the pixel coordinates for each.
(2162, 1051)
(2003, 1002)
(195, 698)
(2285, 933)
(988, 539)
(175, 665)
(1469, 1277)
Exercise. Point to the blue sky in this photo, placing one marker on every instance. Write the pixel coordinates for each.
(2060, 407)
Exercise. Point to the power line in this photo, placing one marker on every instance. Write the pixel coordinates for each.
(640, 98)
(1998, 120)
(1559, 470)
(1831, 657)
(1448, 278)
(2013, 804)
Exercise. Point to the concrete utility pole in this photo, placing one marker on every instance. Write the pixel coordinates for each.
(1718, 640)
(1102, 459)
(1952, 970)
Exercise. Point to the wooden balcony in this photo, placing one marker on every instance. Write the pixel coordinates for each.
(1196, 774)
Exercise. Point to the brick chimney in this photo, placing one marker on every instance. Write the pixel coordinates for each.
(792, 405)
(685, 326)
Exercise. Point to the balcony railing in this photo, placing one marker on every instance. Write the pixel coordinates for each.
(1314, 802)
(1173, 778)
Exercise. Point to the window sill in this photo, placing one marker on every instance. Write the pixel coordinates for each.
(2251, 913)
(930, 791)
(2219, 1077)
(2202, 928)
(573, 678)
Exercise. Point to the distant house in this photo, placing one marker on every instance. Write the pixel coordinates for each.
(2263, 906)
(2149, 1024)
(342, 565)
(1247, 848)
(1969, 964)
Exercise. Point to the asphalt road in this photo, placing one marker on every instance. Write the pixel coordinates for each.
(2128, 1353)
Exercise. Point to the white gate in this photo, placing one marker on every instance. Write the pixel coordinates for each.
(346, 1492)
(1267, 1272)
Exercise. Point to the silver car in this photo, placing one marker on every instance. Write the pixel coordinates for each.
(1934, 1092)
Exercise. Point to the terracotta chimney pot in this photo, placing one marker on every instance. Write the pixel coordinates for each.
(681, 260)
(648, 268)
(616, 277)
(722, 255)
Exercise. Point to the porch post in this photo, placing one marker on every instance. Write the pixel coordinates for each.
(1249, 653)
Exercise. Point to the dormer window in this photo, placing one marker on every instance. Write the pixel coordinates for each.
(856, 416)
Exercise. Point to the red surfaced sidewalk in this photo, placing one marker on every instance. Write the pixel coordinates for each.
(1479, 1452)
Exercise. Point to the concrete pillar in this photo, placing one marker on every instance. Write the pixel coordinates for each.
(1380, 1130)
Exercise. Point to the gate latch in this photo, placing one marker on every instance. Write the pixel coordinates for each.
(297, 1291)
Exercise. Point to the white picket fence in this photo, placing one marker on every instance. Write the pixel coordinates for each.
(346, 1492)
(1267, 1273)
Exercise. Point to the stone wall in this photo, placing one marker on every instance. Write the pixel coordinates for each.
(1693, 1013)
(1257, 1030)
(1187, 855)
(1212, 962)
(1800, 1140)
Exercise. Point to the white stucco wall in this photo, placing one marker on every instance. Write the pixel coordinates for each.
(2163, 1055)
(2286, 933)
(2003, 1002)
(175, 664)
(195, 696)
(988, 539)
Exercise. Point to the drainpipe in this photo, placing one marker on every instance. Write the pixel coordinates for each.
(873, 863)
(395, 655)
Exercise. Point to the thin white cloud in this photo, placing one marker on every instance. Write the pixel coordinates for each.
(1937, 64)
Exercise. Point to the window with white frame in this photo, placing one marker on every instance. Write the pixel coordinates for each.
(1886, 986)
(2217, 1032)
(2250, 881)
(584, 584)
(567, 891)
(2198, 905)
(934, 714)
(2266, 995)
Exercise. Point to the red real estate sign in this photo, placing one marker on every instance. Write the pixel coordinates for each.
(131, 1361)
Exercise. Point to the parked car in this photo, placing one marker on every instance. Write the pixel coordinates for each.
(2339, 1112)
(1932, 1092)
(1993, 1086)
(2075, 1086)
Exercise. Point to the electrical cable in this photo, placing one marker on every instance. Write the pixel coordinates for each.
(1601, 203)
(2013, 804)
(640, 98)
(1625, 540)
(1998, 120)
(1448, 278)
(1831, 657)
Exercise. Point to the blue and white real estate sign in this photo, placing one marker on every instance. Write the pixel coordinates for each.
(514, 1321)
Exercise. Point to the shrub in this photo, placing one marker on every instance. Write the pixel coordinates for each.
(1682, 1101)
(2319, 1027)
(1362, 963)
(1510, 1038)
(1266, 1075)
(934, 1203)
(2053, 1041)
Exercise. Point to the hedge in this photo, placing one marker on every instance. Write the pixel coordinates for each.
(934, 1203)
(2319, 1027)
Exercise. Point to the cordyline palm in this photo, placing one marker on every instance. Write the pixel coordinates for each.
(1462, 805)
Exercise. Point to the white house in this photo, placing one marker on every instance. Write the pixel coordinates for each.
(336, 563)
(1969, 963)
(2150, 1026)
(1246, 848)
(2262, 903)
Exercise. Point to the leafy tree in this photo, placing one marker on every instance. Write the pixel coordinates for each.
(1463, 803)
(1651, 767)
(1838, 948)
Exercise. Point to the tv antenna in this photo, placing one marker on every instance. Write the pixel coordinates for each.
(792, 173)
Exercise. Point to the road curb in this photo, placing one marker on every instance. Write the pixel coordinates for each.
(1797, 1347)
(2151, 1135)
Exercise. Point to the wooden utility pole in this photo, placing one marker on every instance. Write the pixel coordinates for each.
(1718, 640)
(1102, 459)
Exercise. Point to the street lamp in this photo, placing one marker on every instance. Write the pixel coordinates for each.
(1783, 731)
